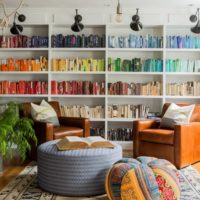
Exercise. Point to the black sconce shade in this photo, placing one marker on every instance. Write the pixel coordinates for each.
(194, 18)
(136, 25)
(16, 29)
(77, 26)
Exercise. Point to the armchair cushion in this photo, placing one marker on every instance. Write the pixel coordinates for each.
(62, 131)
(176, 114)
(44, 112)
(157, 136)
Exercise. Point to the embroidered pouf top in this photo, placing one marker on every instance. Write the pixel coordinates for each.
(144, 178)
(75, 172)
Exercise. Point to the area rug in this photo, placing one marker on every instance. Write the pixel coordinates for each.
(24, 187)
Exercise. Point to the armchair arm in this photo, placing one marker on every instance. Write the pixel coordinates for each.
(83, 123)
(43, 131)
(140, 125)
(186, 151)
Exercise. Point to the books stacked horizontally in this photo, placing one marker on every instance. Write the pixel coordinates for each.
(74, 142)
(190, 88)
(187, 41)
(135, 65)
(180, 65)
(77, 64)
(23, 87)
(23, 41)
(135, 41)
(128, 111)
(97, 131)
(120, 134)
(11, 64)
(122, 88)
(77, 87)
(83, 111)
(82, 41)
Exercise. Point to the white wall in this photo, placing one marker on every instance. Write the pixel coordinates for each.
(106, 15)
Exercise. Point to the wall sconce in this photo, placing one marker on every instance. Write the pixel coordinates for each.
(77, 26)
(136, 25)
(194, 18)
(119, 16)
(16, 28)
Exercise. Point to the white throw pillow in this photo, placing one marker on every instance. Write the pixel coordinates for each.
(44, 112)
(175, 115)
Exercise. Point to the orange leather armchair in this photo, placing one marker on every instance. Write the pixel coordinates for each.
(180, 146)
(69, 126)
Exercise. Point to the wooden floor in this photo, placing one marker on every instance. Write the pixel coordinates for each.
(11, 171)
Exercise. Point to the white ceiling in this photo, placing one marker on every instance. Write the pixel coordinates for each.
(103, 3)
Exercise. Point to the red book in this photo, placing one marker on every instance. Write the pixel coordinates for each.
(69, 87)
(5, 87)
(31, 89)
(13, 88)
(44, 87)
(20, 41)
(38, 87)
(28, 86)
(60, 87)
(53, 87)
(22, 87)
(74, 87)
(64, 87)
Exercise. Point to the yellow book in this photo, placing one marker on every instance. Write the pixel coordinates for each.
(95, 63)
(75, 142)
(54, 64)
(67, 65)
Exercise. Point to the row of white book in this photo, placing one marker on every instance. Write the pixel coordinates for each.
(83, 111)
(128, 111)
(191, 88)
(114, 111)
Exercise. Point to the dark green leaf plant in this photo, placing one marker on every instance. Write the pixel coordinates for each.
(15, 132)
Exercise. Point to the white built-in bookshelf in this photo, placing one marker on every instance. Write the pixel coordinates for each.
(154, 102)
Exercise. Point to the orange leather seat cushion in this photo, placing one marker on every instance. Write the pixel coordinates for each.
(162, 136)
(62, 131)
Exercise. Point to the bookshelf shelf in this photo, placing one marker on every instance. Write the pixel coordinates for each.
(134, 96)
(97, 120)
(78, 96)
(22, 73)
(75, 72)
(135, 73)
(24, 95)
(78, 49)
(121, 119)
(135, 49)
(181, 50)
(182, 73)
(24, 49)
(182, 97)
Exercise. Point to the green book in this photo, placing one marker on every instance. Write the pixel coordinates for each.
(109, 63)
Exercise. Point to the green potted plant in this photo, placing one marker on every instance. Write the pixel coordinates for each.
(15, 132)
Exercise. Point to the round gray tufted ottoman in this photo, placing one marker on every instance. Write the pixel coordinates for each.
(75, 172)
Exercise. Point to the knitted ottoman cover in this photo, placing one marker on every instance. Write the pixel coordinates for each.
(76, 172)
(143, 179)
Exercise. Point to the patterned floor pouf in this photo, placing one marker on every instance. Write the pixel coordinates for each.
(144, 178)
(75, 172)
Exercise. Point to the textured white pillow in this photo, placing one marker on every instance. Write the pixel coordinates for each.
(44, 112)
(176, 114)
